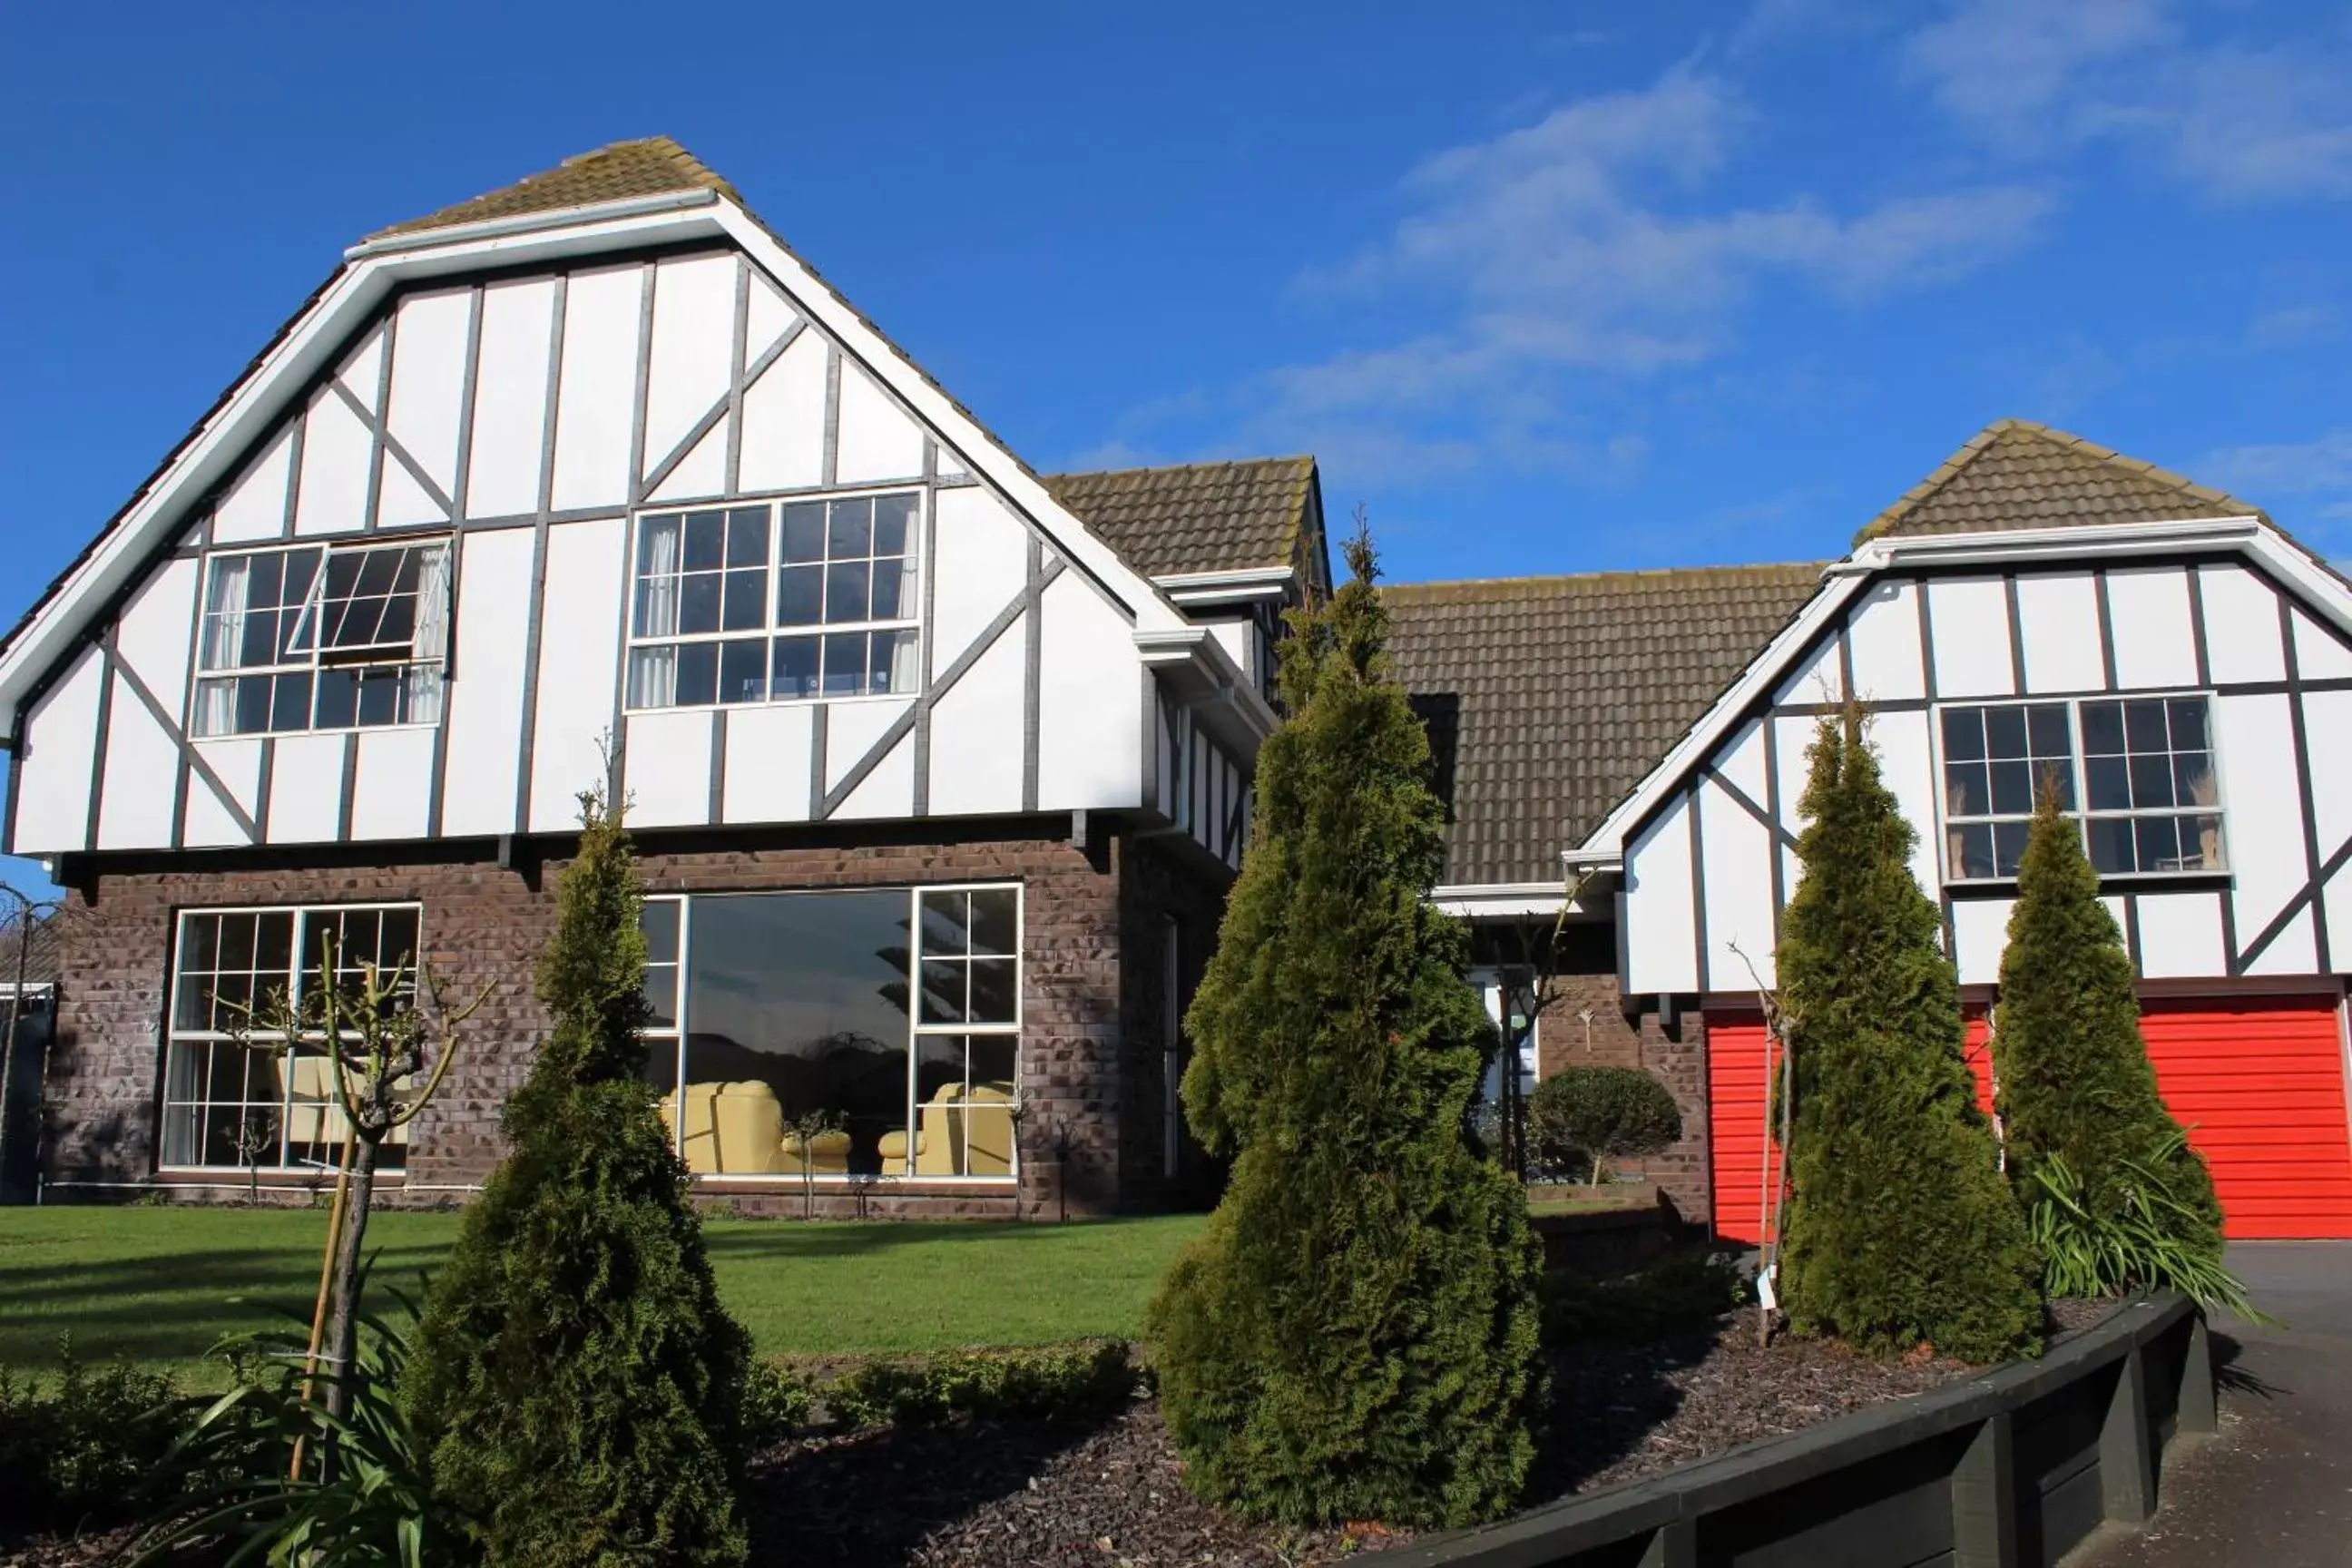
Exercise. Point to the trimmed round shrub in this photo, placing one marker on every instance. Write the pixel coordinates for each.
(1591, 1115)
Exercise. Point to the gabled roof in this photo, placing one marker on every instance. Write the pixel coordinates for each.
(1554, 696)
(647, 167)
(569, 211)
(1198, 517)
(2015, 474)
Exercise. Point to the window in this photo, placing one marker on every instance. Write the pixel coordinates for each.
(2141, 781)
(1995, 761)
(322, 638)
(785, 602)
(271, 1105)
(2148, 782)
(838, 1033)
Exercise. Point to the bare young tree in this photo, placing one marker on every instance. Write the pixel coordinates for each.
(1528, 985)
(377, 1040)
(1772, 1180)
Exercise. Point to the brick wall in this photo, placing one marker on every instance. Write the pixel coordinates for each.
(482, 922)
(1585, 1026)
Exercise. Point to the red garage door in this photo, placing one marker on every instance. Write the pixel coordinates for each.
(2259, 1082)
(1736, 1097)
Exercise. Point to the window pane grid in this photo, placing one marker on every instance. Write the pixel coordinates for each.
(228, 1105)
(2142, 783)
(779, 601)
(318, 638)
(883, 1021)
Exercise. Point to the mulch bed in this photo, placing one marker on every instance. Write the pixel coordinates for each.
(982, 1494)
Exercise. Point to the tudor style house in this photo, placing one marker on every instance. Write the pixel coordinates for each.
(939, 769)
(2038, 602)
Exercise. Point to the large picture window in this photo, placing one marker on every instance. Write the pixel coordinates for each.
(775, 602)
(864, 1033)
(322, 638)
(269, 1104)
(2136, 771)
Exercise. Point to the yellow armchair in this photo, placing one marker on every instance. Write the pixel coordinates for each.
(988, 1130)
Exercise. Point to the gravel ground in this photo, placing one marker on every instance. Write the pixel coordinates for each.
(984, 1494)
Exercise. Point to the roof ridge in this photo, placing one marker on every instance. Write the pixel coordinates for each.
(1307, 458)
(640, 165)
(1547, 578)
(1951, 468)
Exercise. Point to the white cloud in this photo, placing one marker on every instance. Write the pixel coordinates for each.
(1583, 242)
(2286, 467)
(1587, 244)
(2240, 123)
(2293, 324)
(2011, 68)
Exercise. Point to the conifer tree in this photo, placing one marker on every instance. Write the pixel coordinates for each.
(1900, 1227)
(1352, 1335)
(2074, 1074)
(577, 1381)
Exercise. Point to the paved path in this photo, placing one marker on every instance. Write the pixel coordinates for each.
(2274, 1490)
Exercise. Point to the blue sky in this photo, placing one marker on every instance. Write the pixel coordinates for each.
(1548, 287)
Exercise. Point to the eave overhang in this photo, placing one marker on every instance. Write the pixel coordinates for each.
(1244, 586)
(1195, 667)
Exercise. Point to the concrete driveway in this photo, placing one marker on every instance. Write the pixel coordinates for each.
(2274, 1489)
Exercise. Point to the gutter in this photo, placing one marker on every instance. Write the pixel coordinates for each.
(1243, 585)
(2102, 540)
(531, 223)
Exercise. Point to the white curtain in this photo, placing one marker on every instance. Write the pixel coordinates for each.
(430, 647)
(225, 602)
(433, 603)
(904, 675)
(653, 671)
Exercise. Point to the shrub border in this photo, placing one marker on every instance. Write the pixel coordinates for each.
(2010, 1466)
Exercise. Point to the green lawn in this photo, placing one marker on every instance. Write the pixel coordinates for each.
(161, 1285)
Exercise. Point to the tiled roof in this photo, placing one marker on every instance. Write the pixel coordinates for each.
(648, 168)
(1549, 698)
(1199, 517)
(2017, 474)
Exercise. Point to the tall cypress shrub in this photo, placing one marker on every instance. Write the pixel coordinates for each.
(1900, 1227)
(1352, 1335)
(2074, 1074)
(576, 1378)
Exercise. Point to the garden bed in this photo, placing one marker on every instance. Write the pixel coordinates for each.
(1108, 1489)
(981, 1493)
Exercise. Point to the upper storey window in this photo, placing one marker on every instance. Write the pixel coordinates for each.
(775, 602)
(2138, 772)
(322, 638)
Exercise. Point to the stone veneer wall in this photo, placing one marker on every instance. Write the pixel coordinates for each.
(1561, 1043)
(485, 922)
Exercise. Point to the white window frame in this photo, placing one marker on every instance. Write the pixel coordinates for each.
(772, 629)
(2082, 815)
(678, 1036)
(317, 660)
(204, 1039)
